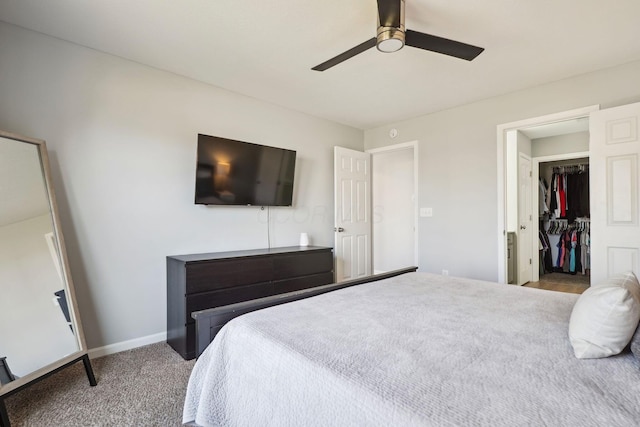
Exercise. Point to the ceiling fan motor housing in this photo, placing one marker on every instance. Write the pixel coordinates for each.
(391, 29)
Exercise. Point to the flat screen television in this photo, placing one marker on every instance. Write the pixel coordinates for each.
(230, 172)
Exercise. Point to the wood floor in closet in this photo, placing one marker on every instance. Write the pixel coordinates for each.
(562, 282)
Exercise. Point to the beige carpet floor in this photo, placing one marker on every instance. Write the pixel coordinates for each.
(140, 387)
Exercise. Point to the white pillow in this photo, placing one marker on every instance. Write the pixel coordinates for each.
(605, 317)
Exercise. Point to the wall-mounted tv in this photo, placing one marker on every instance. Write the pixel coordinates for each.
(230, 172)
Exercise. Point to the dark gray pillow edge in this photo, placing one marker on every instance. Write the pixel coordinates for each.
(634, 345)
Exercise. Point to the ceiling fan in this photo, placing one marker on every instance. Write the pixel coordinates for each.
(392, 36)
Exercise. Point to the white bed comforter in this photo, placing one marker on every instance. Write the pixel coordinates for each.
(417, 349)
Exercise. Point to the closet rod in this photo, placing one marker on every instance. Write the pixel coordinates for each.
(578, 166)
(572, 165)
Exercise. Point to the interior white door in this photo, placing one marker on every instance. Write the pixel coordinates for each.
(613, 181)
(352, 182)
(525, 215)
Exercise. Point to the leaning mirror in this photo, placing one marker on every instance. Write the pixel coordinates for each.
(40, 329)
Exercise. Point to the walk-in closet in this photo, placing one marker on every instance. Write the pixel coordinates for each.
(547, 206)
(564, 222)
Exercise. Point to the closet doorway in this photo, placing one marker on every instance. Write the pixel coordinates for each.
(556, 137)
(563, 219)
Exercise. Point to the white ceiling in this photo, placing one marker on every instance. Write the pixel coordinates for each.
(265, 49)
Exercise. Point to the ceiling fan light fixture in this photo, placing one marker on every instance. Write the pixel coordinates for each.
(392, 35)
(390, 39)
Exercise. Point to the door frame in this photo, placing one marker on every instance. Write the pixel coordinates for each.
(502, 130)
(413, 145)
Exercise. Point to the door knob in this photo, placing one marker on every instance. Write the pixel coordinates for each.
(338, 229)
(523, 227)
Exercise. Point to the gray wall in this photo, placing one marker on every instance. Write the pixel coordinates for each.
(122, 143)
(560, 144)
(458, 163)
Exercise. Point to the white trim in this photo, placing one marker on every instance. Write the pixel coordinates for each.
(395, 147)
(564, 156)
(127, 345)
(416, 209)
(501, 153)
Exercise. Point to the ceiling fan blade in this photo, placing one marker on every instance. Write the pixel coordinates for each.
(346, 55)
(442, 45)
(389, 12)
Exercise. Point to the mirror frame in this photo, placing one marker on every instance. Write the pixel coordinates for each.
(82, 354)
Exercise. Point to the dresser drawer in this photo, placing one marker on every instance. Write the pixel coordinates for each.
(226, 296)
(302, 264)
(228, 273)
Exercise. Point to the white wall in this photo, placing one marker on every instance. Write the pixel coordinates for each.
(458, 163)
(560, 144)
(30, 321)
(122, 143)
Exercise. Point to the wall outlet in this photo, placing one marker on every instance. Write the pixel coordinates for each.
(445, 272)
(426, 212)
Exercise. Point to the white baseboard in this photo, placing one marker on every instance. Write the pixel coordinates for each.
(127, 345)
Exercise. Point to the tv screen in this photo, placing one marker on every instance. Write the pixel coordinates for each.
(231, 172)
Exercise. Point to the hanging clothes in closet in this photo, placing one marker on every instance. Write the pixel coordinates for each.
(543, 188)
(546, 257)
(567, 245)
(564, 235)
(570, 192)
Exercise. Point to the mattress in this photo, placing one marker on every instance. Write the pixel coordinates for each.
(414, 350)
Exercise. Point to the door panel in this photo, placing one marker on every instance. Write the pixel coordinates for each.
(615, 231)
(352, 182)
(524, 220)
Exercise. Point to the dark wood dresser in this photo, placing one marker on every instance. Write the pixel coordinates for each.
(200, 281)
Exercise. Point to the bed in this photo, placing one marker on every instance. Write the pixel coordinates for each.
(412, 350)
